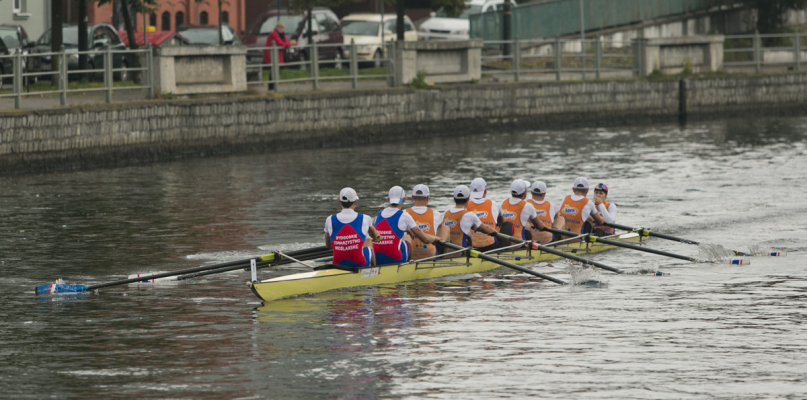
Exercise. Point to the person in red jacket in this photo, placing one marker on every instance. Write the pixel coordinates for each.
(277, 36)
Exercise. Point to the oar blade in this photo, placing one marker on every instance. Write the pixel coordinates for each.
(55, 288)
(738, 261)
(772, 254)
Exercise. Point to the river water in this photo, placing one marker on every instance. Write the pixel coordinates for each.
(701, 331)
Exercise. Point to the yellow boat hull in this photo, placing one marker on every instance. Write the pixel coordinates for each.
(332, 279)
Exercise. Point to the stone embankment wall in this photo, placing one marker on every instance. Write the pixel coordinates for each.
(112, 135)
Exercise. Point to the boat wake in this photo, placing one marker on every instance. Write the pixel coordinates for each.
(584, 276)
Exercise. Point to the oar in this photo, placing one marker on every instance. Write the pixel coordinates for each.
(483, 256)
(648, 232)
(283, 259)
(559, 253)
(66, 288)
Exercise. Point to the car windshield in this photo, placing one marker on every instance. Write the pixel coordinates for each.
(360, 28)
(292, 22)
(9, 37)
(206, 35)
(465, 14)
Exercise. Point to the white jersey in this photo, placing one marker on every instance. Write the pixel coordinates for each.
(608, 214)
(347, 216)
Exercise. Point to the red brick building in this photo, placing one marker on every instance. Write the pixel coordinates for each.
(169, 15)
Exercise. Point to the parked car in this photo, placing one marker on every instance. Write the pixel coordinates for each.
(208, 34)
(13, 40)
(100, 37)
(326, 30)
(366, 31)
(441, 26)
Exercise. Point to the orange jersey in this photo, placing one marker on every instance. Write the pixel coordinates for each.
(542, 210)
(608, 230)
(485, 213)
(425, 222)
(512, 214)
(452, 221)
(572, 211)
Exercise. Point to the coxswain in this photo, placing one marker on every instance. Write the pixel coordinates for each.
(576, 210)
(459, 223)
(545, 211)
(350, 234)
(488, 211)
(427, 219)
(396, 228)
(517, 211)
(606, 210)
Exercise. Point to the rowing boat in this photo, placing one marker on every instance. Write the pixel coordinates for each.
(333, 277)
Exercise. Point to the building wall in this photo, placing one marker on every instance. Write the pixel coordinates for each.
(35, 19)
(113, 135)
(192, 11)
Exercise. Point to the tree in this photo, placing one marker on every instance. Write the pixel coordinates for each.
(770, 14)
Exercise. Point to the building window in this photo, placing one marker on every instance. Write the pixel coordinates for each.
(203, 18)
(166, 21)
(153, 20)
(19, 6)
(225, 17)
(179, 19)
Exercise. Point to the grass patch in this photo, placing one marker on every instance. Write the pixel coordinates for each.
(46, 86)
(288, 73)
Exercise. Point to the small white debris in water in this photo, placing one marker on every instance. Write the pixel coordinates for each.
(64, 226)
(28, 322)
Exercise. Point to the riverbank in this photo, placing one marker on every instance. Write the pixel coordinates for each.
(151, 131)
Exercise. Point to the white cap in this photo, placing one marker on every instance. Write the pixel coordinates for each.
(526, 183)
(478, 187)
(420, 190)
(538, 187)
(580, 183)
(462, 192)
(348, 194)
(517, 188)
(396, 195)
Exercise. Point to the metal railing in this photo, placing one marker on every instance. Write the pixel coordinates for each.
(310, 68)
(592, 58)
(760, 50)
(23, 81)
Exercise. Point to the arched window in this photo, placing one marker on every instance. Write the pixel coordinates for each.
(179, 19)
(203, 18)
(225, 17)
(153, 20)
(166, 21)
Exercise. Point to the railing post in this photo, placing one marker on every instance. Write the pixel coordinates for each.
(597, 56)
(108, 79)
(150, 70)
(354, 73)
(757, 52)
(797, 49)
(62, 77)
(392, 58)
(17, 83)
(517, 58)
(558, 57)
(275, 71)
(314, 65)
(583, 57)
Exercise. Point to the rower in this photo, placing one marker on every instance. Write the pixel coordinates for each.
(396, 229)
(519, 212)
(459, 223)
(349, 233)
(606, 210)
(427, 219)
(488, 211)
(545, 211)
(576, 210)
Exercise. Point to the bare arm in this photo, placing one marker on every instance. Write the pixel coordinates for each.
(486, 229)
(328, 241)
(537, 224)
(443, 233)
(422, 236)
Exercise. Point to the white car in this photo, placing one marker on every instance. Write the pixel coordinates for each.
(366, 31)
(440, 26)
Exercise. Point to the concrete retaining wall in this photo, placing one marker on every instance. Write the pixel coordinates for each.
(121, 134)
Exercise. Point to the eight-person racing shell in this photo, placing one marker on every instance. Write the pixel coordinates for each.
(347, 241)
